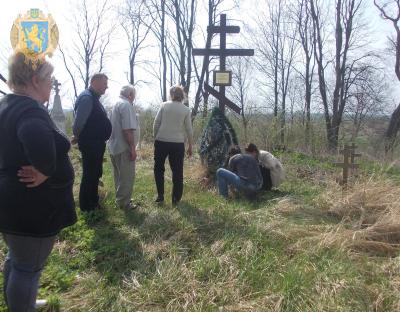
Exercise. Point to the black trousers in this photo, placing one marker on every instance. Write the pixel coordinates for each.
(176, 154)
(92, 170)
(266, 175)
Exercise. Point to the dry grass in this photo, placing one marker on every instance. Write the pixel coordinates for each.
(369, 214)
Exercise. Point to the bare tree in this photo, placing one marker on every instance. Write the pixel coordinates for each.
(277, 50)
(157, 11)
(134, 21)
(266, 41)
(390, 11)
(87, 54)
(366, 96)
(345, 27)
(304, 22)
(239, 91)
(183, 14)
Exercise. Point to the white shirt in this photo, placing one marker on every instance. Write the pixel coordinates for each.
(123, 117)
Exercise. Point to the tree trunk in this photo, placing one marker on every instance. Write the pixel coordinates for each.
(393, 128)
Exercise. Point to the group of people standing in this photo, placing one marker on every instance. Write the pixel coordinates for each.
(92, 128)
(36, 175)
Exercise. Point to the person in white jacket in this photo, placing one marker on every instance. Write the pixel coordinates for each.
(271, 168)
(171, 125)
(270, 162)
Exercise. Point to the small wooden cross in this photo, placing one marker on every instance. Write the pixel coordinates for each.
(348, 162)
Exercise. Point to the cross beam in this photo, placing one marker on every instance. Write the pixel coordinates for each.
(226, 52)
(222, 99)
(226, 29)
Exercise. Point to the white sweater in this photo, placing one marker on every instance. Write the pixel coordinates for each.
(270, 162)
(172, 122)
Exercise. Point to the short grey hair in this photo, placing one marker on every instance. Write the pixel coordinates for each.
(98, 76)
(128, 90)
(21, 70)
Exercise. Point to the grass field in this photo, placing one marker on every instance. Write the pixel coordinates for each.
(209, 254)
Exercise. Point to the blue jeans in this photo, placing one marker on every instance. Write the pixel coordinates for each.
(22, 269)
(226, 178)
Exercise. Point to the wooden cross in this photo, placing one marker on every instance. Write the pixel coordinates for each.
(56, 84)
(223, 52)
(348, 162)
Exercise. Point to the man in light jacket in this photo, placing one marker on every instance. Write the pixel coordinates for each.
(122, 146)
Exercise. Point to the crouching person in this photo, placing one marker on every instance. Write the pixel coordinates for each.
(243, 174)
(271, 170)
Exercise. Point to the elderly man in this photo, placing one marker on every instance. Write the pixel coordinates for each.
(91, 129)
(122, 146)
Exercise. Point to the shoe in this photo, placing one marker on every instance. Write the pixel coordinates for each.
(131, 206)
(159, 200)
(40, 303)
(175, 202)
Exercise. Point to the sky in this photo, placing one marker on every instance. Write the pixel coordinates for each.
(116, 68)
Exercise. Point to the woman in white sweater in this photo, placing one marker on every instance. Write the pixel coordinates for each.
(172, 123)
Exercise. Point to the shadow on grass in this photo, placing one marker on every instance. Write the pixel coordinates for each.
(212, 226)
(117, 251)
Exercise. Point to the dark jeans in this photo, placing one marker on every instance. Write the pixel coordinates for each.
(175, 153)
(22, 269)
(92, 170)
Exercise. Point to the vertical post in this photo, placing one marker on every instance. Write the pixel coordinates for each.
(353, 151)
(222, 59)
(346, 155)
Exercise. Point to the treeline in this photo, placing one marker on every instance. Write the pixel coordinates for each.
(311, 57)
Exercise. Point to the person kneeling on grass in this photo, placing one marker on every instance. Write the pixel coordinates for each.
(244, 173)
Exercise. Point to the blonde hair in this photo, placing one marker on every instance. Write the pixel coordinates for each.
(176, 93)
(22, 68)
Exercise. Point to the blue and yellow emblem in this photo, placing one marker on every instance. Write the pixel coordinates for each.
(35, 32)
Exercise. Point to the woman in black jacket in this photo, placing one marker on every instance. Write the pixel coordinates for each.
(36, 178)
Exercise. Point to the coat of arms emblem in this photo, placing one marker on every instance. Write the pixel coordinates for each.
(35, 32)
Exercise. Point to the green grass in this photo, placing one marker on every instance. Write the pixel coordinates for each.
(209, 254)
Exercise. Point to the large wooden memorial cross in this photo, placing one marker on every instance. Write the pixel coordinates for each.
(223, 52)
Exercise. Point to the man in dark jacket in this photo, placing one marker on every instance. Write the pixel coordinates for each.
(244, 173)
(91, 130)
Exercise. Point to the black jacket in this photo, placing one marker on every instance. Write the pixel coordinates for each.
(97, 126)
(29, 137)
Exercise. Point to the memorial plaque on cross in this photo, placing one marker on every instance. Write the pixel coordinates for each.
(222, 53)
